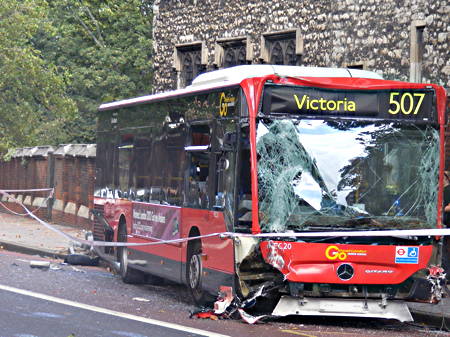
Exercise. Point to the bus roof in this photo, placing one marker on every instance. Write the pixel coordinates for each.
(235, 75)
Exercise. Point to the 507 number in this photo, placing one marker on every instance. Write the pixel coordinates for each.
(405, 103)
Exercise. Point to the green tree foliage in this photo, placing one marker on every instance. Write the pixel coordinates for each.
(60, 59)
(104, 47)
(34, 107)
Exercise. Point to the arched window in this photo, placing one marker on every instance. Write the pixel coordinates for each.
(283, 48)
(229, 59)
(276, 54)
(188, 63)
(188, 69)
(198, 68)
(230, 53)
(290, 56)
(241, 58)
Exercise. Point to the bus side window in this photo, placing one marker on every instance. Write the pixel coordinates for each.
(198, 181)
(125, 149)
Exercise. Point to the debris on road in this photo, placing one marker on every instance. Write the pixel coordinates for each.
(78, 270)
(40, 264)
(140, 299)
(249, 318)
(224, 300)
(227, 306)
(54, 267)
(204, 314)
(82, 260)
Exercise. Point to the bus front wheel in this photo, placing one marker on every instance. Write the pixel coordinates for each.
(128, 274)
(194, 274)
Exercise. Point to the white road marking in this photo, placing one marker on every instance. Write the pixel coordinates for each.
(111, 312)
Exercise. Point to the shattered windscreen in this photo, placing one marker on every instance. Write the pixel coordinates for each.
(322, 174)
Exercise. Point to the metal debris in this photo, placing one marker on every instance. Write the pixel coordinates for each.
(229, 307)
(249, 318)
(140, 299)
(40, 264)
(78, 270)
(224, 300)
(54, 267)
(438, 280)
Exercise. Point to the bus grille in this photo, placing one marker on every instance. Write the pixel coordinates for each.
(99, 231)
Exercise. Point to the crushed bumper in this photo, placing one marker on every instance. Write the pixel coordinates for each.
(342, 307)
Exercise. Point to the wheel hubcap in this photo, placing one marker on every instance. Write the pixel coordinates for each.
(124, 259)
(194, 271)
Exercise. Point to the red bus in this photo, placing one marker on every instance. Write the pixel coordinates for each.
(280, 151)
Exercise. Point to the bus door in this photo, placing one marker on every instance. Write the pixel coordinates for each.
(122, 178)
(223, 193)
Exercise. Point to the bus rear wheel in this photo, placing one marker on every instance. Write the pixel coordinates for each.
(128, 274)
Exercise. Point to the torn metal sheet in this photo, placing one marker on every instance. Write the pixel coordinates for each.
(224, 300)
(249, 318)
(250, 301)
(350, 174)
(438, 280)
(244, 246)
(251, 269)
(274, 258)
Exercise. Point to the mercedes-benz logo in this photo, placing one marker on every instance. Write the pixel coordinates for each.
(345, 272)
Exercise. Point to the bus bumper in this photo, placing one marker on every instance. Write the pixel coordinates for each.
(311, 306)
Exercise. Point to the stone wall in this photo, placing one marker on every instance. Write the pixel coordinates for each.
(335, 33)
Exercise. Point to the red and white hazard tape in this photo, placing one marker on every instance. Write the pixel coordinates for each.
(224, 235)
(43, 203)
(29, 190)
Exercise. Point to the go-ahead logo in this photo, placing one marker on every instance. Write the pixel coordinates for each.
(336, 253)
(224, 103)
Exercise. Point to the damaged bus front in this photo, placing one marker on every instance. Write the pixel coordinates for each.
(345, 159)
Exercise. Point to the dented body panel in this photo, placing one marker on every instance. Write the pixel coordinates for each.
(319, 262)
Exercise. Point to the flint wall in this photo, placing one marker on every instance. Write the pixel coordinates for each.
(335, 33)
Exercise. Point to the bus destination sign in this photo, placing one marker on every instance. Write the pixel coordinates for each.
(405, 104)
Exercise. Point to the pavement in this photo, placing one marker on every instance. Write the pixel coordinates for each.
(26, 235)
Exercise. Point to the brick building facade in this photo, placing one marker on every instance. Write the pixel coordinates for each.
(402, 40)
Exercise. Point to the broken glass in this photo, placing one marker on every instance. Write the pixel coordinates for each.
(316, 174)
